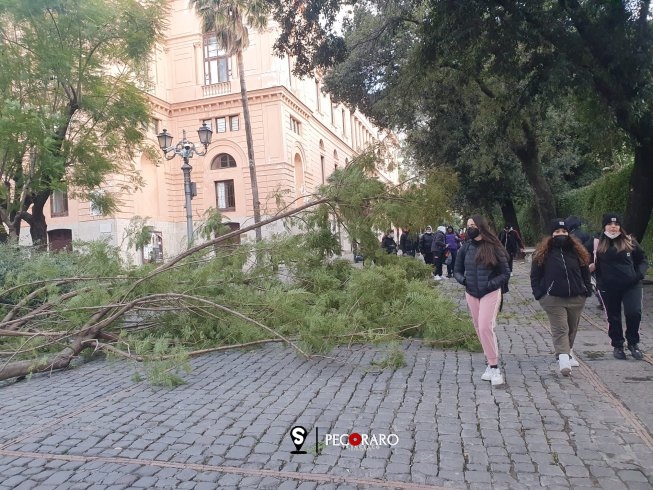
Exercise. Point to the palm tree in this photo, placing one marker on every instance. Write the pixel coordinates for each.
(230, 20)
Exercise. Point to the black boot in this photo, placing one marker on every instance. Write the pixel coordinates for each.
(636, 353)
(619, 353)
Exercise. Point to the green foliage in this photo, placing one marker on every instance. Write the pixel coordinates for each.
(138, 232)
(63, 110)
(163, 361)
(394, 358)
(607, 194)
(300, 289)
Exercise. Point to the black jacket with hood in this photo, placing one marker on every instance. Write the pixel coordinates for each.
(618, 270)
(426, 242)
(574, 226)
(478, 279)
(560, 275)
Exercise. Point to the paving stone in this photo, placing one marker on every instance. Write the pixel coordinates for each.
(237, 408)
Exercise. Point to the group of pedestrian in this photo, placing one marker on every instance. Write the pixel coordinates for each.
(561, 281)
(437, 249)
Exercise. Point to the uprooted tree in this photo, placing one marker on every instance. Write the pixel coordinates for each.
(215, 296)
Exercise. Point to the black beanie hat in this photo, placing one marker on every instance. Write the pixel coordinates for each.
(557, 223)
(611, 218)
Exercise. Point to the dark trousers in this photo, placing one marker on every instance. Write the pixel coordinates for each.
(453, 262)
(428, 257)
(631, 299)
(438, 261)
(511, 257)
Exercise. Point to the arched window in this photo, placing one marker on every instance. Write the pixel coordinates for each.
(223, 160)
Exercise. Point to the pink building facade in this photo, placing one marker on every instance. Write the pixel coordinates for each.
(300, 137)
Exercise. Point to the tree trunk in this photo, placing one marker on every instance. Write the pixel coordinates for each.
(250, 145)
(640, 195)
(528, 153)
(38, 227)
(509, 214)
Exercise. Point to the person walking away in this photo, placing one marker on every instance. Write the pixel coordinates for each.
(619, 265)
(482, 267)
(560, 280)
(453, 244)
(439, 248)
(425, 245)
(388, 242)
(511, 240)
(408, 242)
(574, 224)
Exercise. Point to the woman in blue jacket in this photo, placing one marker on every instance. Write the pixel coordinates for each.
(620, 265)
(560, 280)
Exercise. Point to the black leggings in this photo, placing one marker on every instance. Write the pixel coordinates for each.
(631, 299)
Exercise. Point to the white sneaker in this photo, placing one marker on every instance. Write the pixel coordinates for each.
(565, 365)
(437, 278)
(487, 375)
(497, 377)
(573, 362)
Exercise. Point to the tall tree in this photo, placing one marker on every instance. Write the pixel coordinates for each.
(71, 108)
(534, 52)
(230, 20)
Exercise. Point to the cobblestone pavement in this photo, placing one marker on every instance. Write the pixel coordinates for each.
(95, 428)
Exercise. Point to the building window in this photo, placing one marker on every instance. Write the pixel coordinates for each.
(94, 204)
(60, 240)
(221, 124)
(94, 209)
(59, 203)
(318, 96)
(223, 160)
(208, 122)
(295, 125)
(322, 168)
(216, 63)
(343, 121)
(225, 196)
(234, 123)
(153, 251)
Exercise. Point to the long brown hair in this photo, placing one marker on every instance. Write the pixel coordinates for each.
(621, 243)
(546, 244)
(489, 248)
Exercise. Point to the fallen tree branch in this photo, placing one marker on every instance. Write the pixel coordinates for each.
(195, 353)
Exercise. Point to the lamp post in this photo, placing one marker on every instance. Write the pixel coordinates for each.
(186, 149)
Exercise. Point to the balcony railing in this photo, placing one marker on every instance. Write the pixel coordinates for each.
(214, 89)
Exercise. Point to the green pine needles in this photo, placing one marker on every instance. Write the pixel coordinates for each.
(295, 288)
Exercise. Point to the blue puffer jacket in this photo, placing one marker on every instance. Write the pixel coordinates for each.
(478, 279)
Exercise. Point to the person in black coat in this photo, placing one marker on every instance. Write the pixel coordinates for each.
(482, 267)
(388, 242)
(512, 242)
(426, 244)
(560, 280)
(408, 242)
(438, 248)
(620, 264)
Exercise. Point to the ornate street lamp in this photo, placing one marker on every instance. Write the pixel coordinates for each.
(186, 149)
